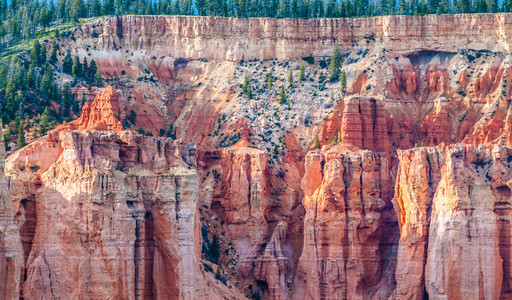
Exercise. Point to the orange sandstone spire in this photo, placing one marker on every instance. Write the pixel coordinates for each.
(103, 114)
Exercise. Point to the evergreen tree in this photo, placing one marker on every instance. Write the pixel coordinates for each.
(343, 81)
(335, 136)
(77, 67)
(10, 105)
(91, 71)
(66, 103)
(84, 100)
(481, 6)
(302, 77)
(508, 6)
(465, 6)
(95, 8)
(282, 95)
(98, 80)
(35, 53)
(247, 86)
(269, 79)
(85, 69)
(316, 144)
(7, 137)
(21, 138)
(290, 78)
(67, 64)
(335, 65)
(44, 122)
(47, 81)
(53, 52)
(42, 55)
(171, 131)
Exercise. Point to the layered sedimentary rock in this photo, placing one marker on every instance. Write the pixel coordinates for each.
(11, 249)
(102, 114)
(115, 213)
(238, 39)
(289, 221)
(418, 176)
(364, 124)
(102, 215)
(453, 211)
(346, 193)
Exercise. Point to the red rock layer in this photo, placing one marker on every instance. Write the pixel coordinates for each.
(436, 127)
(103, 114)
(364, 124)
(346, 195)
(419, 173)
(113, 216)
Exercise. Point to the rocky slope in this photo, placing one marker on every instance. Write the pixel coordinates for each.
(406, 196)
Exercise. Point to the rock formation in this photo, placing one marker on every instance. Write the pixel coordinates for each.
(11, 248)
(103, 114)
(259, 38)
(405, 194)
(346, 193)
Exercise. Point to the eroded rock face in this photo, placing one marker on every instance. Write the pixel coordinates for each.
(260, 38)
(105, 213)
(11, 249)
(115, 213)
(102, 114)
(346, 194)
(454, 202)
(418, 176)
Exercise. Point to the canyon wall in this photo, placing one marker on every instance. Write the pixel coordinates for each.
(397, 188)
(453, 207)
(260, 38)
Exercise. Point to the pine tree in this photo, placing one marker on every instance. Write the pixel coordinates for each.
(290, 78)
(171, 131)
(343, 81)
(335, 136)
(96, 8)
(17, 123)
(91, 71)
(282, 95)
(67, 64)
(7, 137)
(42, 55)
(74, 103)
(316, 144)
(53, 52)
(21, 138)
(85, 68)
(10, 105)
(77, 67)
(84, 100)
(269, 79)
(35, 53)
(47, 81)
(66, 103)
(247, 86)
(302, 77)
(44, 122)
(98, 80)
(335, 65)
